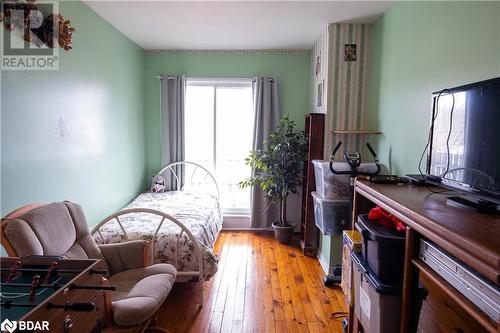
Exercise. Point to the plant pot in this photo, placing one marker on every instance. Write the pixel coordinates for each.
(283, 234)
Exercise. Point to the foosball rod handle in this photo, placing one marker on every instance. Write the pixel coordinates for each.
(98, 271)
(78, 307)
(92, 287)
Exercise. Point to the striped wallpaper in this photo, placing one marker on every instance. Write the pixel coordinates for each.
(319, 54)
(346, 89)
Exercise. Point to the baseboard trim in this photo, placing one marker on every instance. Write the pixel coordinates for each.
(236, 222)
(245, 229)
(324, 265)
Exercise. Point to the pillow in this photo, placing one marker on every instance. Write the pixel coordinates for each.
(158, 184)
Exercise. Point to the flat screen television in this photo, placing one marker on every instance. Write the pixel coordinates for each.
(464, 151)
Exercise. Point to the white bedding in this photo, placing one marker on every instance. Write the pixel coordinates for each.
(199, 212)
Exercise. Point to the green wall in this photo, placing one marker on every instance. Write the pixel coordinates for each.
(292, 71)
(418, 48)
(76, 133)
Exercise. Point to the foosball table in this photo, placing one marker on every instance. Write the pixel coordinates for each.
(51, 294)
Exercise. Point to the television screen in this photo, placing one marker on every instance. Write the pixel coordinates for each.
(465, 138)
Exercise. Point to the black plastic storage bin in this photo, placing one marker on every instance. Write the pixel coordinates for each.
(383, 249)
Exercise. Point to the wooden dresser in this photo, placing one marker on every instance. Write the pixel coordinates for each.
(309, 233)
(469, 236)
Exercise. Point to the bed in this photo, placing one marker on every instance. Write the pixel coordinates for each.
(182, 225)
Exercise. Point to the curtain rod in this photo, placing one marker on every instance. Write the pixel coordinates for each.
(271, 79)
(159, 77)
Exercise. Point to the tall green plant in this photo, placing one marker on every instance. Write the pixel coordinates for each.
(277, 170)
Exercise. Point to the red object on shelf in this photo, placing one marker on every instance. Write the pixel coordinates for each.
(382, 217)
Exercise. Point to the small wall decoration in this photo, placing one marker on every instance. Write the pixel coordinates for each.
(318, 64)
(50, 31)
(320, 94)
(350, 52)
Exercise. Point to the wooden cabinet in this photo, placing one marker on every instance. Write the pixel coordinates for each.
(469, 236)
(314, 131)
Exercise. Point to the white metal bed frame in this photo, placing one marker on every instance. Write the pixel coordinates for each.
(197, 166)
(182, 276)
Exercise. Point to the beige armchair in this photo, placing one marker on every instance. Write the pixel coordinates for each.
(60, 229)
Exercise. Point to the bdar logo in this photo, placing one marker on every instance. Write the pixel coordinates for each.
(8, 326)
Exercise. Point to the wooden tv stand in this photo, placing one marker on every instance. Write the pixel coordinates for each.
(472, 237)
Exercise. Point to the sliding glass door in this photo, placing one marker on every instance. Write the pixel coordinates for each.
(219, 130)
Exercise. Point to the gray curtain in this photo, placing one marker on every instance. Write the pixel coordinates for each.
(172, 127)
(267, 114)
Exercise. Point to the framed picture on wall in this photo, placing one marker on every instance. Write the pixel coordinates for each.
(350, 52)
(320, 94)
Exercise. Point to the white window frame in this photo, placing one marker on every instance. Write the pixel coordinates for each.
(222, 82)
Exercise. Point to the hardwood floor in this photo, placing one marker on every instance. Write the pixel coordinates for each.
(261, 286)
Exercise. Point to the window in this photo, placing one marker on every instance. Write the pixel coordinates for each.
(218, 133)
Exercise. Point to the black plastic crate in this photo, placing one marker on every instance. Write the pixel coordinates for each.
(383, 249)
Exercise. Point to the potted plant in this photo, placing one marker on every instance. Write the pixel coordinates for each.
(277, 170)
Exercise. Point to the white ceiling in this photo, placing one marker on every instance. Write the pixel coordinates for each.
(231, 24)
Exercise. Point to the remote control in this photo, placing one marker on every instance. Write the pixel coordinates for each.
(387, 179)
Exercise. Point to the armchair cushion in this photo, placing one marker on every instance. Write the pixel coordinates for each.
(140, 292)
(124, 256)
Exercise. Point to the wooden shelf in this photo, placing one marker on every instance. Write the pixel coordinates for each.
(339, 131)
(309, 233)
(455, 295)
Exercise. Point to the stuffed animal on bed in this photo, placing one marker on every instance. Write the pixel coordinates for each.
(158, 184)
